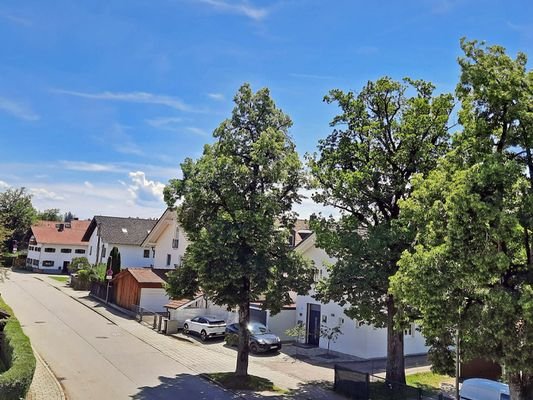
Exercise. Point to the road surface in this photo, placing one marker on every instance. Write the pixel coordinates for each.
(92, 357)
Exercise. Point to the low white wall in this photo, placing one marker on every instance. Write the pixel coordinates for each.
(280, 322)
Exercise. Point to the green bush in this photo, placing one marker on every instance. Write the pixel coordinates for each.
(232, 339)
(17, 356)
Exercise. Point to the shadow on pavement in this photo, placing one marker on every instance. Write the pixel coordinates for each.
(186, 386)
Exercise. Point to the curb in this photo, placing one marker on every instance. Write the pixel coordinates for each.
(50, 373)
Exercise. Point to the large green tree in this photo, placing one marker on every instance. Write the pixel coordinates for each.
(16, 213)
(471, 270)
(385, 133)
(235, 206)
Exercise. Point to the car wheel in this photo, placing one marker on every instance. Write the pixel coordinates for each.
(203, 336)
(253, 348)
(186, 329)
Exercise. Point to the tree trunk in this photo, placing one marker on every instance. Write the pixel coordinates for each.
(520, 386)
(244, 340)
(395, 360)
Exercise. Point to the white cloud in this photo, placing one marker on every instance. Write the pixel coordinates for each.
(216, 96)
(18, 110)
(92, 167)
(242, 8)
(133, 97)
(16, 19)
(4, 185)
(143, 190)
(162, 122)
(42, 193)
(196, 131)
(88, 185)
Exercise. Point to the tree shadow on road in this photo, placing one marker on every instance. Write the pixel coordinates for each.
(187, 386)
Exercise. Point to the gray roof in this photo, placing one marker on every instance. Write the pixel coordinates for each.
(117, 230)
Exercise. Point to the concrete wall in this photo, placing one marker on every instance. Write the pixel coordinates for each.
(57, 257)
(153, 299)
(280, 322)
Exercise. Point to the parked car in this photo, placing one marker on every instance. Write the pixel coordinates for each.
(206, 327)
(261, 338)
(483, 389)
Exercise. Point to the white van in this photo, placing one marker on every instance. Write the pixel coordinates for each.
(484, 389)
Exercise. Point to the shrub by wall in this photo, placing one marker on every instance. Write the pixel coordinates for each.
(17, 356)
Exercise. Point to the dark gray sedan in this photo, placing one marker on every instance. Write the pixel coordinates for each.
(261, 339)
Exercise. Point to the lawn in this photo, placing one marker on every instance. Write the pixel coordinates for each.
(60, 278)
(428, 380)
(251, 382)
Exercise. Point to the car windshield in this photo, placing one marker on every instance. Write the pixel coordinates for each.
(258, 329)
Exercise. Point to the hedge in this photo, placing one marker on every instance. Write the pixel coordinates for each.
(17, 355)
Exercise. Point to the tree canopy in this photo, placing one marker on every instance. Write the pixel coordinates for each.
(16, 213)
(471, 268)
(51, 214)
(235, 206)
(384, 134)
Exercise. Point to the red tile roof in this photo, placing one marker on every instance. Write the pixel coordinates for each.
(147, 275)
(49, 232)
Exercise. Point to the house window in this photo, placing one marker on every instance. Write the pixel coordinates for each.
(79, 251)
(103, 251)
(66, 250)
(409, 331)
(49, 250)
(146, 253)
(30, 247)
(176, 240)
(48, 263)
(153, 252)
(28, 261)
(90, 250)
(36, 262)
(169, 259)
(38, 249)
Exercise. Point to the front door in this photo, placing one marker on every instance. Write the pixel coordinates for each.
(313, 324)
(65, 267)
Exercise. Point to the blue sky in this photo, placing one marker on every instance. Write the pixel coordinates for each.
(100, 100)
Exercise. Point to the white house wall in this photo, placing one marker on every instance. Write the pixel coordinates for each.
(280, 322)
(153, 299)
(164, 247)
(362, 341)
(57, 257)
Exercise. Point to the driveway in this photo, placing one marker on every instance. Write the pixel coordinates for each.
(92, 357)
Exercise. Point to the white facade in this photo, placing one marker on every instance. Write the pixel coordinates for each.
(357, 339)
(168, 242)
(53, 258)
(131, 256)
(153, 299)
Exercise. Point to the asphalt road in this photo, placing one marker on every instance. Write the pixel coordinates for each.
(92, 357)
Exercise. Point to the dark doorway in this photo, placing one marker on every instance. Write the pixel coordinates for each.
(313, 324)
(258, 316)
(65, 267)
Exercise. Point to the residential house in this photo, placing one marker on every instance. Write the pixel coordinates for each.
(357, 339)
(53, 245)
(167, 241)
(127, 234)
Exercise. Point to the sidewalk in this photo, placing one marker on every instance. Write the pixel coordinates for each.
(201, 359)
(44, 385)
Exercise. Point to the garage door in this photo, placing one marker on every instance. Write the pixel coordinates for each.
(153, 299)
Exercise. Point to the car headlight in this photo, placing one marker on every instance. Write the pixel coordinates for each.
(278, 340)
(261, 341)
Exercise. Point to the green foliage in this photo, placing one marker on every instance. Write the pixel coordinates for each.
(52, 214)
(16, 213)
(78, 263)
(297, 331)
(113, 261)
(17, 356)
(236, 211)
(231, 339)
(472, 266)
(382, 137)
